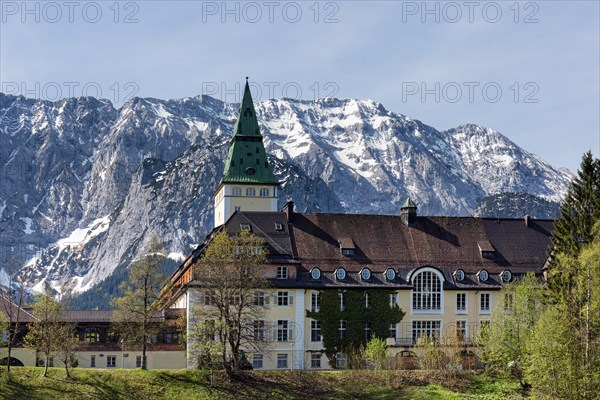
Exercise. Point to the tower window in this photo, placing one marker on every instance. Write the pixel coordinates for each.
(257, 150)
(250, 192)
(264, 192)
(247, 112)
(236, 191)
(241, 161)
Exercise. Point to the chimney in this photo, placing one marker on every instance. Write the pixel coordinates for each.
(527, 220)
(288, 209)
(408, 212)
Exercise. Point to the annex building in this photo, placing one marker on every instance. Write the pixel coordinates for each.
(445, 273)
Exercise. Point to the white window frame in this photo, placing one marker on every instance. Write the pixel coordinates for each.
(367, 302)
(315, 360)
(259, 330)
(281, 359)
(466, 328)
(430, 330)
(393, 331)
(488, 310)
(283, 296)
(441, 280)
(112, 364)
(466, 304)
(315, 301)
(282, 272)
(257, 361)
(342, 301)
(343, 327)
(315, 328)
(393, 299)
(282, 330)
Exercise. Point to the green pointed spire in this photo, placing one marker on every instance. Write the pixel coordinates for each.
(247, 159)
(408, 204)
(246, 124)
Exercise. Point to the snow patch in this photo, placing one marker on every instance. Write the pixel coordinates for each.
(81, 236)
(28, 223)
(176, 256)
(2, 208)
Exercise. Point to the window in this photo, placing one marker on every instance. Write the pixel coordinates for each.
(236, 191)
(483, 275)
(367, 304)
(365, 274)
(393, 331)
(484, 303)
(461, 330)
(283, 330)
(315, 274)
(237, 208)
(264, 192)
(282, 272)
(508, 301)
(282, 360)
(393, 299)
(427, 292)
(390, 274)
(461, 303)
(342, 302)
(250, 192)
(315, 331)
(315, 360)
(138, 361)
(490, 255)
(506, 276)
(260, 299)
(348, 252)
(278, 226)
(93, 362)
(111, 361)
(430, 329)
(283, 298)
(258, 330)
(340, 361)
(340, 274)
(246, 227)
(367, 331)
(315, 301)
(257, 361)
(342, 330)
(208, 297)
(92, 337)
(459, 274)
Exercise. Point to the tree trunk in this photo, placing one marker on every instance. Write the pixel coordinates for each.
(144, 366)
(10, 339)
(46, 365)
(67, 368)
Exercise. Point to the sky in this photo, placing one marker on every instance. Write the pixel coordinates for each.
(529, 70)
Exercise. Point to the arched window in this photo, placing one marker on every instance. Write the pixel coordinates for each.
(250, 192)
(427, 291)
(264, 192)
(236, 191)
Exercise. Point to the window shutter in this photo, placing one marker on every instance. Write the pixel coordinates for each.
(291, 299)
(267, 297)
(290, 331)
(274, 330)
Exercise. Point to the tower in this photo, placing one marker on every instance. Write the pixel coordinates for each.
(408, 212)
(248, 183)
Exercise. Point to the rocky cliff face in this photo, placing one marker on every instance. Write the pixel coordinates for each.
(83, 184)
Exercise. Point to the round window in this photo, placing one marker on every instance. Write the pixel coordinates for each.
(315, 273)
(506, 276)
(483, 275)
(390, 274)
(365, 274)
(459, 274)
(340, 274)
(250, 171)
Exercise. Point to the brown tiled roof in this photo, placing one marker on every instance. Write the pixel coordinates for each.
(8, 307)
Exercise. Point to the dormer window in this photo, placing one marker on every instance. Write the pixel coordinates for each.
(390, 274)
(282, 272)
(340, 274)
(486, 249)
(347, 247)
(278, 226)
(365, 274)
(315, 274)
(506, 276)
(246, 227)
(459, 275)
(483, 275)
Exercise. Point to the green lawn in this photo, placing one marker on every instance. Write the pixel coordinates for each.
(27, 383)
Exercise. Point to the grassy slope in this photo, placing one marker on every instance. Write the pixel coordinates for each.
(27, 383)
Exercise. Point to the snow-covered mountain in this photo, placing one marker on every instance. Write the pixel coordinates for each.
(84, 184)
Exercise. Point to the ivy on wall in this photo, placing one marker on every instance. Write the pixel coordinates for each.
(379, 316)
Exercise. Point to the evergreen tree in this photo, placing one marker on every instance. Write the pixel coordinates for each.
(573, 229)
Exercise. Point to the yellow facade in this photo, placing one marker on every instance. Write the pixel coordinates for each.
(230, 198)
